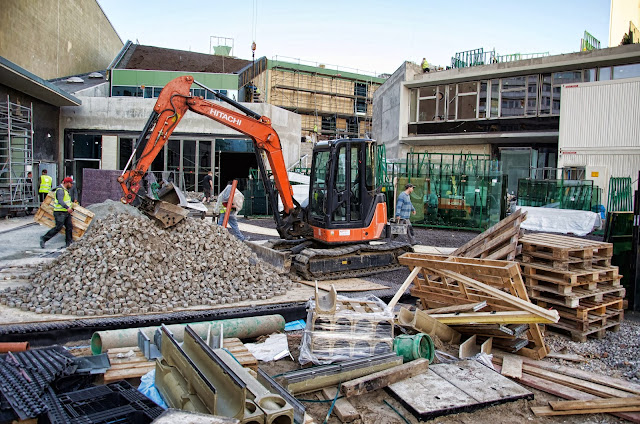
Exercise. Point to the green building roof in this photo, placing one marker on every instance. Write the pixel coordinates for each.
(322, 71)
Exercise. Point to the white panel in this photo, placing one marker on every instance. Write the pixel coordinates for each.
(110, 152)
(600, 116)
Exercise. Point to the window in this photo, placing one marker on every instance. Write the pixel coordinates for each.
(532, 96)
(360, 106)
(125, 148)
(328, 123)
(482, 101)
(319, 185)
(467, 100)
(428, 102)
(86, 146)
(513, 96)
(352, 126)
(360, 89)
(495, 98)
(604, 74)
(626, 71)
(126, 91)
(590, 75)
(545, 95)
(340, 212)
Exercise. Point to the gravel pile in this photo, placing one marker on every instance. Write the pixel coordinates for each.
(127, 264)
(194, 195)
(112, 207)
(616, 355)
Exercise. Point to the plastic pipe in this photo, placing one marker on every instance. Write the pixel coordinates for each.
(414, 347)
(13, 347)
(242, 328)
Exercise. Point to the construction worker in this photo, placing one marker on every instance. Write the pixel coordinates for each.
(425, 66)
(62, 209)
(207, 186)
(404, 210)
(221, 209)
(45, 185)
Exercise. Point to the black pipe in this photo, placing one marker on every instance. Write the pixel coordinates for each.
(232, 102)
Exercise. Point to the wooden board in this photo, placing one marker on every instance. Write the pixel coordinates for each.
(342, 408)
(452, 388)
(512, 366)
(346, 284)
(545, 411)
(81, 217)
(594, 404)
(380, 379)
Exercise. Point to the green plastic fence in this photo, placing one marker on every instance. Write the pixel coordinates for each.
(620, 194)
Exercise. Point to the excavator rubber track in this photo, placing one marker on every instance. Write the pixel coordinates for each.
(354, 260)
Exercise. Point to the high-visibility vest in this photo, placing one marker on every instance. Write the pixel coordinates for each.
(425, 64)
(45, 184)
(57, 207)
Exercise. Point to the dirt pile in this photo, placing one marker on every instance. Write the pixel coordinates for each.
(126, 264)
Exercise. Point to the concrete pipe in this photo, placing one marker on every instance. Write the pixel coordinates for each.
(242, 328)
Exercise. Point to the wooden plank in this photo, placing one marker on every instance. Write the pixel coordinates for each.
(342, 408)
(381, 379)
(487, 346)
(511, 219)
(475, 307)
(604, 380)
(566, 357)
(404, 287)
(568, 405)
(128, 373)
(468, 349)
(502, 317)
(545, 411)
(512, 366)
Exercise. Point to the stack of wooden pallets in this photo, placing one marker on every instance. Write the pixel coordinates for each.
(575, 277)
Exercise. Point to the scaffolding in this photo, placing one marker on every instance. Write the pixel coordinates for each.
(478, 57)
(16, 155)
(331, 104)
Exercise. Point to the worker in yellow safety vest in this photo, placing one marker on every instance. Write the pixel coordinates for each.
(425, 65)
(45, 185)
(62, 209)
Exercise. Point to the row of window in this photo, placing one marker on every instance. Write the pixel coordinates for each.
(154, 92)
(530, 95)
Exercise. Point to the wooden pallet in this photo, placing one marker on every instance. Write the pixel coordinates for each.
(608, 304)
(81, 217)
(563, 247)
(565, 290)
(450, 281)
(574, 299)
(241, 353)
(570, 264)
(498, 242)
(594, 331)
(543, 272)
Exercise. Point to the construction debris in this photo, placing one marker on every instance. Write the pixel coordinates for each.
(440, 282)
(126, 265)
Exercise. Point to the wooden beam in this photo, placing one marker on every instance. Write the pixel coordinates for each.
(568, 405)
(380, 379)
(503, 317)
(471, 307)
(512, 366)
(404, 287)
(424, 323)
(487, 346)
(545, 411)
(567, 357)
(468, 349)
(343, 408)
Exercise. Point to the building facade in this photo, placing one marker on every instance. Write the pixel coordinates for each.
(52, 39)
(510, 111)
(332, 102)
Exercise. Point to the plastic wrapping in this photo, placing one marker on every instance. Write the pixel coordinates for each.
(352, 328)
(148, 388)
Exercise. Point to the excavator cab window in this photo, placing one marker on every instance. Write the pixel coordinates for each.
(319, 185)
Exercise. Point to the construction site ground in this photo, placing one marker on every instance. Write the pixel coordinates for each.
(617, 355)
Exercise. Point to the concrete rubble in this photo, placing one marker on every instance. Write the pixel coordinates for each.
(127, 265)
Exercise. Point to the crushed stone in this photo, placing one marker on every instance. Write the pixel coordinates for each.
(110, 207)
(127, 264)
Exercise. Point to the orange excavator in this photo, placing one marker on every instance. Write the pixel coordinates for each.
(329, 237)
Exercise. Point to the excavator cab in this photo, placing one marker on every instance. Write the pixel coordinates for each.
(345, 204)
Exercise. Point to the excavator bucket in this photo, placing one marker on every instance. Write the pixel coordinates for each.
(169, 208)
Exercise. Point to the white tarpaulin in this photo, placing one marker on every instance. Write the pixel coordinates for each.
(563, 221)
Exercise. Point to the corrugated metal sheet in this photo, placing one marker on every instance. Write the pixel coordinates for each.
(600, 115)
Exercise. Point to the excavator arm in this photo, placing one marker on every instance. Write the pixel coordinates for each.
(172, 104)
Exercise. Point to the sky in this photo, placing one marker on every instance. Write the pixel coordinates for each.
(372, 36)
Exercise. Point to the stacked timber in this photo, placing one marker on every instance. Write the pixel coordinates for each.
(575, 277)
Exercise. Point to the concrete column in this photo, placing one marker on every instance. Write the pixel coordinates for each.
(110, 152)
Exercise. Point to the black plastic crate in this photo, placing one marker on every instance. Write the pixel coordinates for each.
(113, 403)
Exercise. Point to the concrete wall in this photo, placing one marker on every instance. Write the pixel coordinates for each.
(56, 38)
(126, 114)
(391, 110)
(45, 124)
(622, 11)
